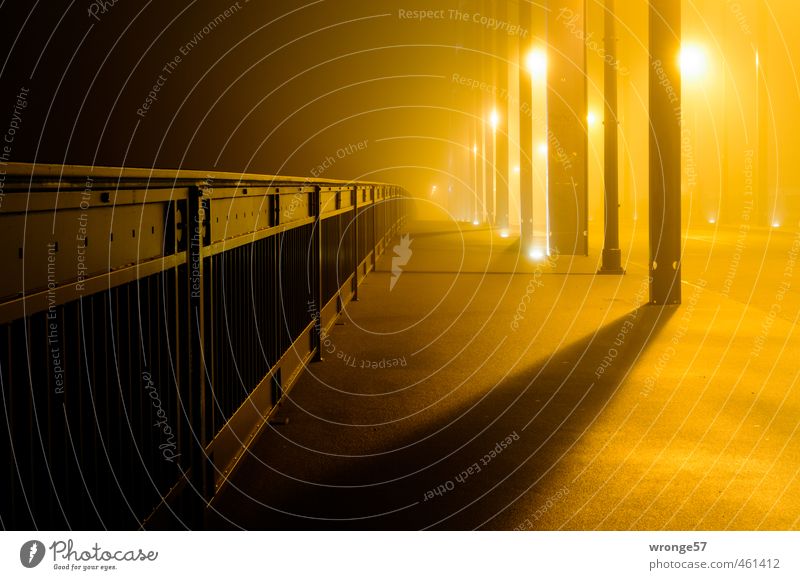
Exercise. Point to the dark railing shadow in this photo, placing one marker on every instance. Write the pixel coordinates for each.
(502, 446)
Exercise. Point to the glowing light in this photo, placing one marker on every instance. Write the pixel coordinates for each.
(475, 149)
(516, 169)
(712, 221)
(504, 234)
(494, 118)
(693, 62)
(776, 224)
(536, 254)
(476, 223)
(434, 188)
(542, 148)
(591, 118)
(536, 63)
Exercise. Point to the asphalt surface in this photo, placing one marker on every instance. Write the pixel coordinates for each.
(488, 391)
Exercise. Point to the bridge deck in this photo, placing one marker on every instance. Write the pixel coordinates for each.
(477, 422)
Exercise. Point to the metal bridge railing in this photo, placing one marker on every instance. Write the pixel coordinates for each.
(151, 320)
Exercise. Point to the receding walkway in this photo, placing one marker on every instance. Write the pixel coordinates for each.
(486, 391)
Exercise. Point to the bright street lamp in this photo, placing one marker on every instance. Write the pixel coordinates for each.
(536, 63)
(536, 253)
(693, 62)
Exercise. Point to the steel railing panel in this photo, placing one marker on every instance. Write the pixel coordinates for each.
(193, 290)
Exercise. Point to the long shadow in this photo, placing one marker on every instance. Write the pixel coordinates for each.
(493, 452)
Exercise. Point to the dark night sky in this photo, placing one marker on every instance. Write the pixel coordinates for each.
(275, 87)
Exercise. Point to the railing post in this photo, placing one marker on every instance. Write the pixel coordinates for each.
(316, 267)
(375, 226)
(194, 387)
(356, 262)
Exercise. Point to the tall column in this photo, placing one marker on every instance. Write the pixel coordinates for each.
(486, 104)
(525, 136)
(476, 188)
(763, 199)
(665, 152)
(612, 256)
(513, 124)
(488, 169)
(501, 152)
(567, 132)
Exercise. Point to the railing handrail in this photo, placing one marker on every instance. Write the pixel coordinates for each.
(30, 177)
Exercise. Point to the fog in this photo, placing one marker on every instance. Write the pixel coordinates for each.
(413, 83)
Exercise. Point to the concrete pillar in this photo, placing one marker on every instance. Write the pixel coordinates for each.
(567, 136)
(665, 152)
(612, 256)
(502, 104)
(525, 136)
(764, 201)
